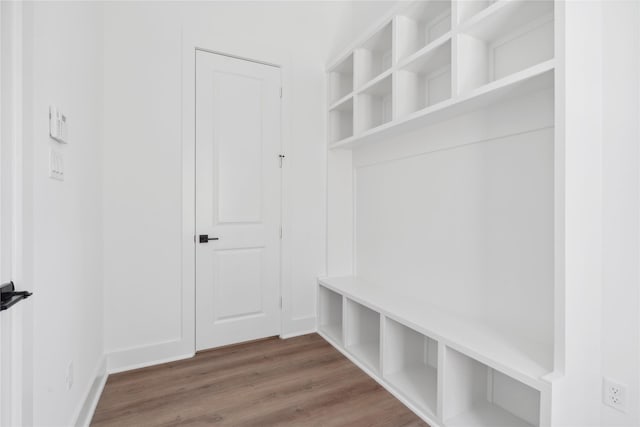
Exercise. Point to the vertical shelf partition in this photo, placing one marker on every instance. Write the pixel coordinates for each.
(330, 314)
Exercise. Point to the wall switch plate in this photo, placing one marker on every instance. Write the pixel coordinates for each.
(614, 394)
(56, 165)
(57, 125)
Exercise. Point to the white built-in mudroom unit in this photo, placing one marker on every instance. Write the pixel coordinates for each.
(446, 208)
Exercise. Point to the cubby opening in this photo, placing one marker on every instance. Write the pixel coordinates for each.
(341, 80)
(330, 314)
(411, 363)
(425, 81)
(469, 8)
(363, 334)
(375, 105)
(517, 36)
(421, 24)
(341, 121)
(375, 56)
(477, 395)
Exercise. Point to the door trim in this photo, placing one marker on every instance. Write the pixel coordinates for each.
(194, 39)
(11, 204)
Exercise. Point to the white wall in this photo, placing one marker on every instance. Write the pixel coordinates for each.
(62, 258)
(142, 165)
(621, 293)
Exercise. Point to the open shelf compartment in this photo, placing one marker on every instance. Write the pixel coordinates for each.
(479, 396)
(363, 334)
(341, 121)
(425, 81)
(508, 37)
(375, 56)
(330, 314)
(411, 364)
(421, 24)
(341, 79)
(375, 105)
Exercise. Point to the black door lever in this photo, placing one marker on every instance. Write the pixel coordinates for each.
(204, 238)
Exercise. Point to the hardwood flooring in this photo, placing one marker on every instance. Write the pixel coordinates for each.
(301, 381)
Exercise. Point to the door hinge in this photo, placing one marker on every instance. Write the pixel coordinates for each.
(281, 92)
(281, 156)
(281, 232)
(280, 302)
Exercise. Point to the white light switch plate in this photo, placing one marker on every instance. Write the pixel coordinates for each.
(56, 165)
(57, 125)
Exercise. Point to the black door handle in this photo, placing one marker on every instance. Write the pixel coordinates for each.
(204, 238)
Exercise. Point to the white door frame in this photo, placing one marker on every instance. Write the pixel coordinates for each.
(11, 206)
(252, 50)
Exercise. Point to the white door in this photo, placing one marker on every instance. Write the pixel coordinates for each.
(238, 186)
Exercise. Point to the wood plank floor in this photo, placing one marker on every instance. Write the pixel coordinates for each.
(301, 381)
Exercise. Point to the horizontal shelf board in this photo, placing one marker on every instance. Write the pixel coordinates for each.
(341, 103)
(537, 77)
(367, 353)
(487, 415)
(418, 384)
(374, 81)
(516, 356)
(505, 16)
(426, 52)
(426, 11)
(334, 331)
(344, 65)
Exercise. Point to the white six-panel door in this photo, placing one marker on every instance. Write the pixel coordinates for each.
(238, 193)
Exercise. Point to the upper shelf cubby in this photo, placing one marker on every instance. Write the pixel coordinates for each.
(503, 39)
(421, 24)
(375, 56)
(425, 80)
(375, 105)
(341, 79)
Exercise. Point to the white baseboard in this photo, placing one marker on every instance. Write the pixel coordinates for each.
(297, 334)
(92, 396)
(155, 354)
(142, 357)
(296, 327)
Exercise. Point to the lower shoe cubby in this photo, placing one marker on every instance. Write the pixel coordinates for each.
(362, 334)
(330, 314)
(477, 395)
(411, 364)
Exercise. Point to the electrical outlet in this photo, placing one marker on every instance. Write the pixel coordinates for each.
(614, 395)
(69, 376)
